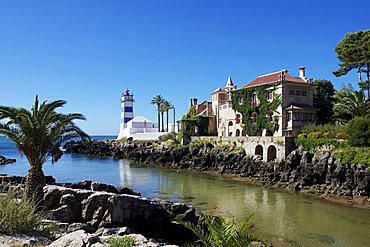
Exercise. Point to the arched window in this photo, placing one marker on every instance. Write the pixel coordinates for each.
(259, 150)
(238, 132)
(237, 118)
(271, 153)
(254, 117)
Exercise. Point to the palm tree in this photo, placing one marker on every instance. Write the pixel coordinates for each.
(38, 135)
(220, 232)
(351, 103)
(166, 108)
(158, 100)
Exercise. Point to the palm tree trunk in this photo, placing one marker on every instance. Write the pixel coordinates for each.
(35, 183)
(159, 120)
(167, 119)
(162, 122)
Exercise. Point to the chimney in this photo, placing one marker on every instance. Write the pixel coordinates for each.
(195, 101)
(191, 102)
(302, 73)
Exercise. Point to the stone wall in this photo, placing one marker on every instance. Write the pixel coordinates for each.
(268, 147)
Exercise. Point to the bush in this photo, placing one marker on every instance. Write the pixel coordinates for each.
(18, 215)
(220, 232)
(169, 136)
(312, 144)
(353, 155)
(359, 132)
(115, 241)
(199, 143)
(326, 128)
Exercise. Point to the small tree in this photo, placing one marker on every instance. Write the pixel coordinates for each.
(359, 132)
(38, 135)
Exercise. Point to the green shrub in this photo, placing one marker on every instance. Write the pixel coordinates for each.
(315, 135)
(169, 136)
(199, 143)
(116, 241)
(359, 132)
(326, 128)
(221, 232)
(18, 215)
(312, 144)
(123, 139)
(353, 155)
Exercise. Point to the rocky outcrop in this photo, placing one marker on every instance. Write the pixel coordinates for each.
(101, 209)
(5, 161)
(319, 173)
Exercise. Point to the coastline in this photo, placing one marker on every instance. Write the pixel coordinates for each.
(317, 175)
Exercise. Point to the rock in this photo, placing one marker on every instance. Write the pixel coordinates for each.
(77, 239)
(5, 161)
(87, 227)
(103, 187)
(113, 231)
(70, 211)
(93, 203)
(22, 240)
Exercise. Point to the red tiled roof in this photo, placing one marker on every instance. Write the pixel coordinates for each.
(272, 78)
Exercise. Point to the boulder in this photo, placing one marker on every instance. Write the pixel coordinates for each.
(77, 239)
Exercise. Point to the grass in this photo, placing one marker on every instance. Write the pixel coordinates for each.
(116, 241)
(18, 214)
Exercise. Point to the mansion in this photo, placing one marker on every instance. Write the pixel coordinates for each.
(295, 107)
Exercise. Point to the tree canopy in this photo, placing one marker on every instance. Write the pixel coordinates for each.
(354, 53)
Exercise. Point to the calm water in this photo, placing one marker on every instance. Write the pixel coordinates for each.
(286, 219)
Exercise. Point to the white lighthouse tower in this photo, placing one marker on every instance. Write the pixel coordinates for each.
(127, 113)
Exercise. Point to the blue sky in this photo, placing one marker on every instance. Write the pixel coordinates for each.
(88, 52)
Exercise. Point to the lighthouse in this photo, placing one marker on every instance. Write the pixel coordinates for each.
(127, 112)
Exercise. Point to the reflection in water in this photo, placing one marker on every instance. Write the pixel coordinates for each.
(285, 218)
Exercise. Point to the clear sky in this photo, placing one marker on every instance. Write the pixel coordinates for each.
(88, 52)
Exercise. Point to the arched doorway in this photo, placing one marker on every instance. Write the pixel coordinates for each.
(230, 127)
(259, 150)
(271, 153)
(238, 132)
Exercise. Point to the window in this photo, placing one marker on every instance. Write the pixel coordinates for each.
(296, 116)
(253, 101)
(269, 95)
(240, 100)
(304, 116)
(304, 93)
(297, 92)
(312, 116)
(288, 116)
(254, 117)
(291, 92)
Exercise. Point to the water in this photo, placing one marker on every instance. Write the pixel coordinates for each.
(285, 219)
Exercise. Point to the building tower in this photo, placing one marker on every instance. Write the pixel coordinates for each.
(127, 104)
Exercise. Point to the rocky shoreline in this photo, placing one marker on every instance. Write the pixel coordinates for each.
(91, 212)
(319, 174)
(5, 161)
